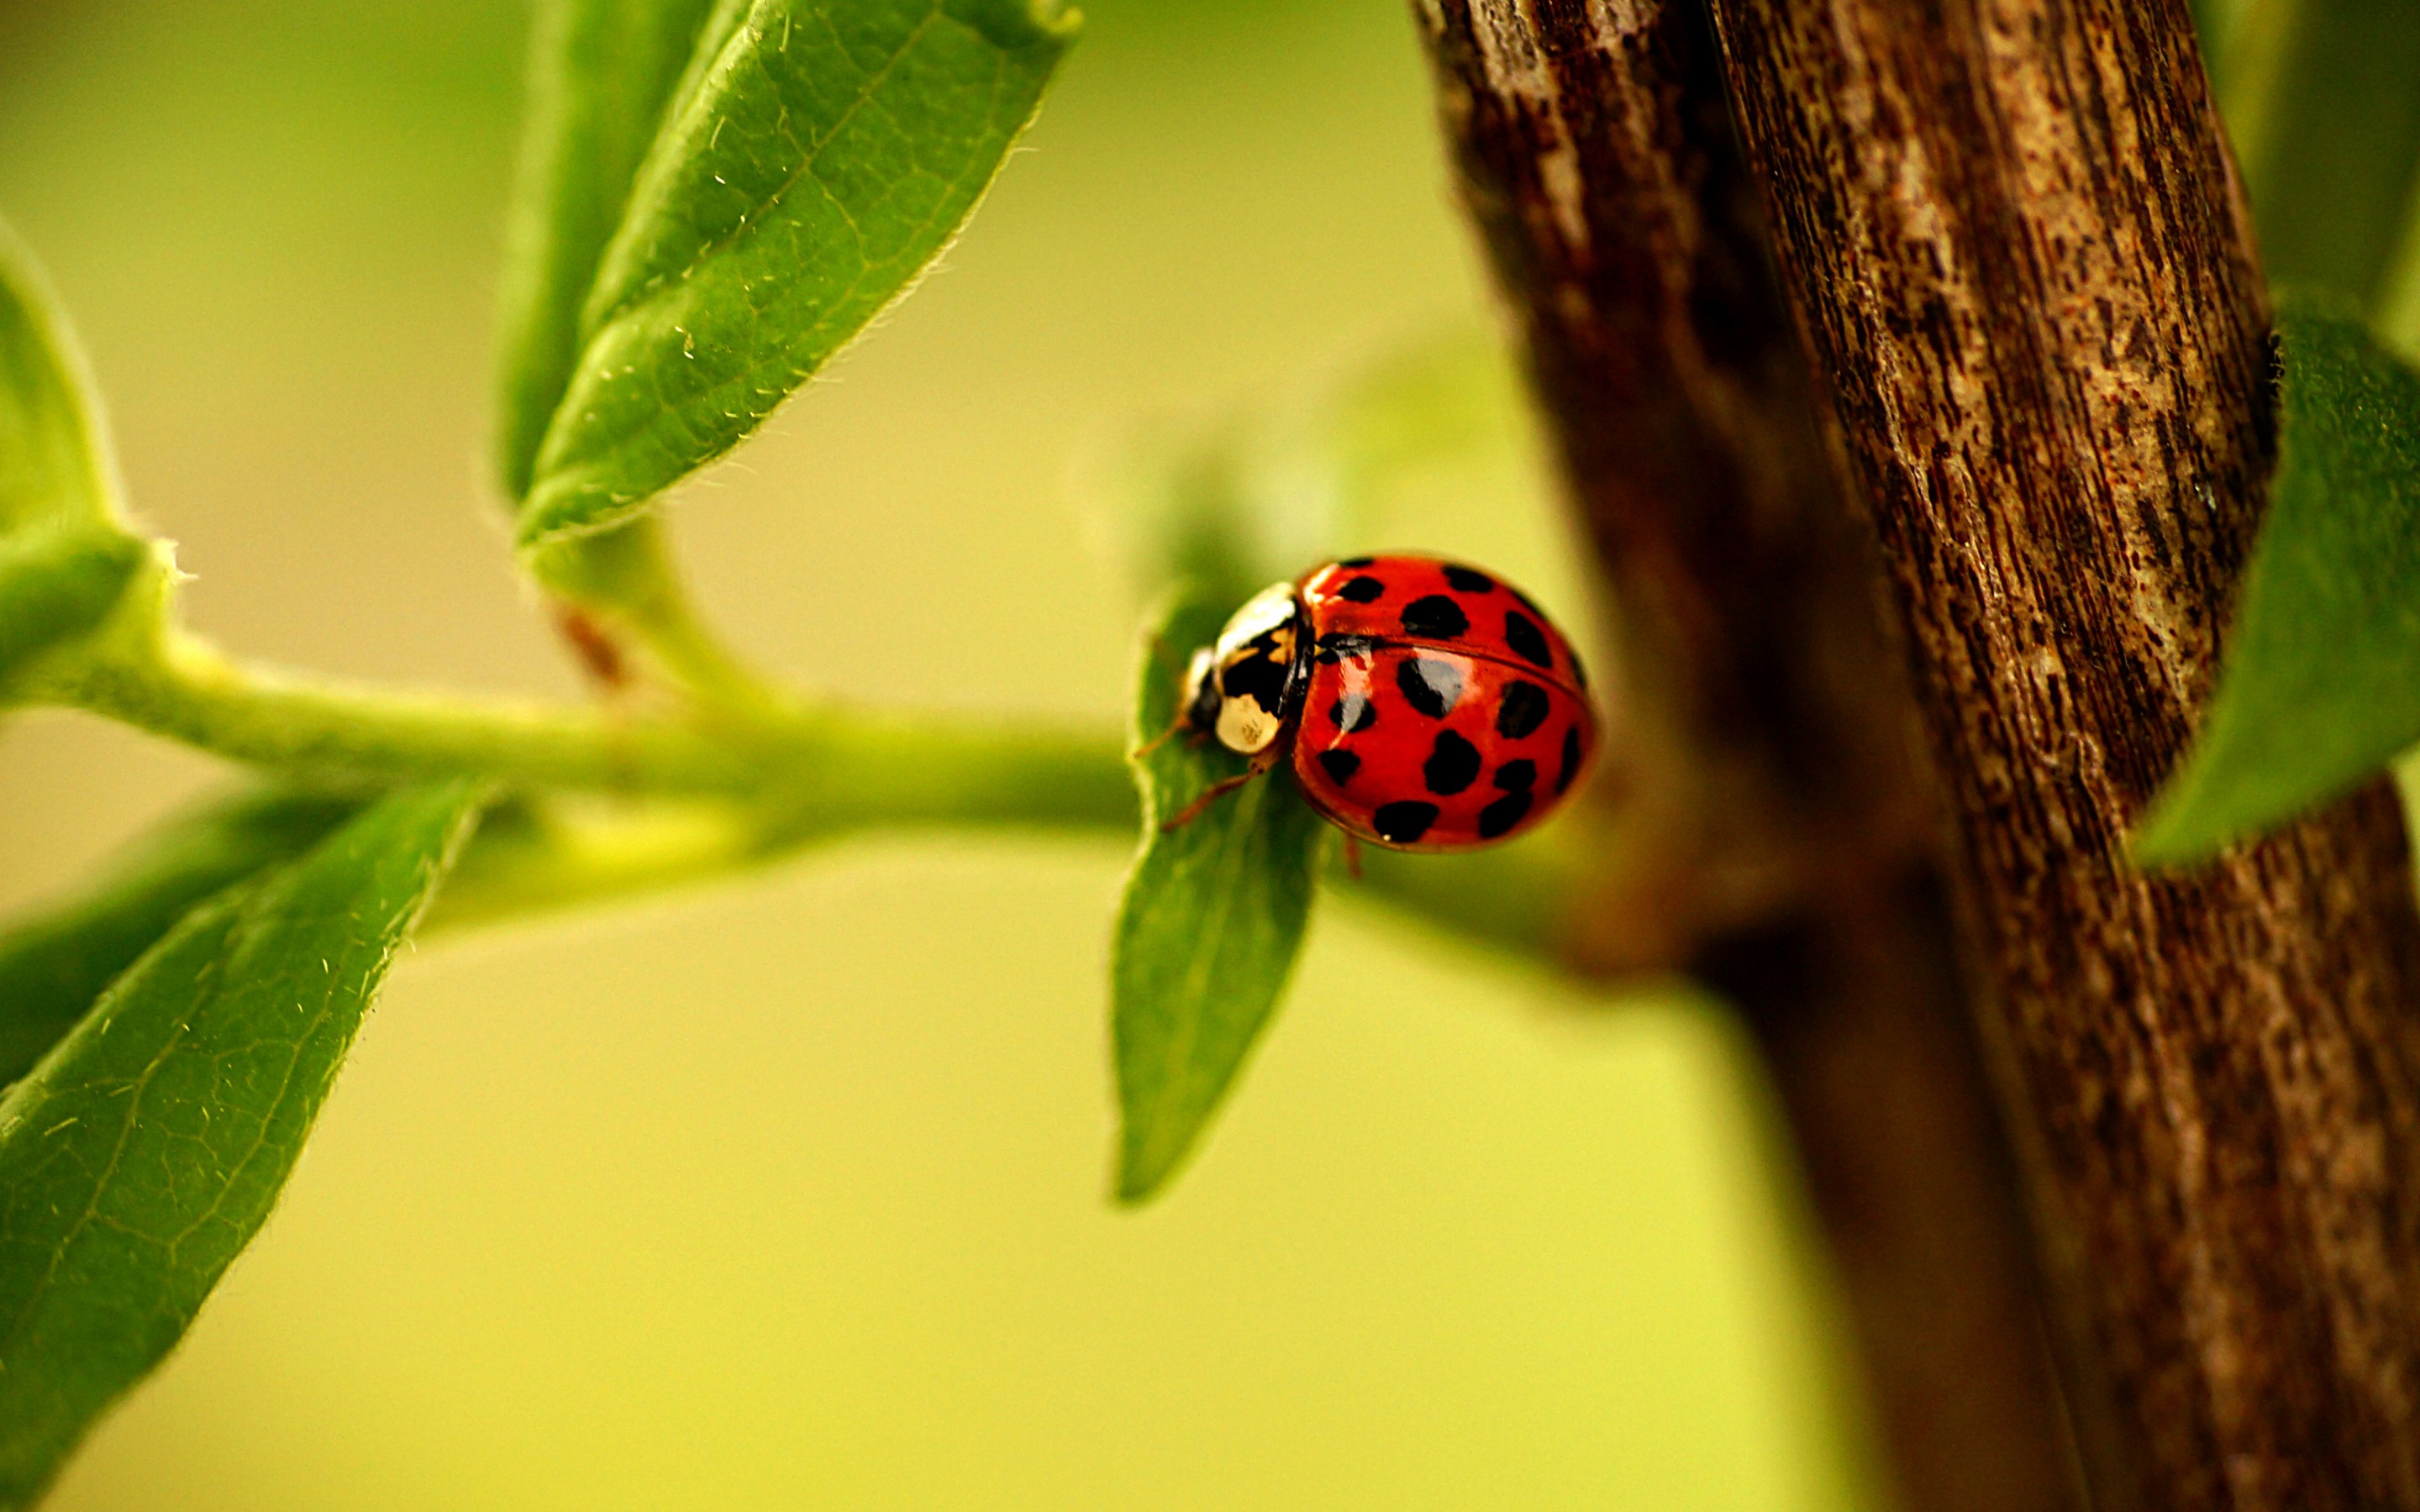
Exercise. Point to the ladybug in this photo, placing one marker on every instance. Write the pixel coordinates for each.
(1425, 705)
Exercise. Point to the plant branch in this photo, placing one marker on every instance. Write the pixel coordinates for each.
(1772, 833)
(611, 804)
(2015, 246)
(805, 764)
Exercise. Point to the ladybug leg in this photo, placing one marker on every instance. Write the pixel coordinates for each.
(1160, 740)
(1189, 708)
(1209, 796)
(1353, 855)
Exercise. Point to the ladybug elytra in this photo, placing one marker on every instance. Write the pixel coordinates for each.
(1425, 705)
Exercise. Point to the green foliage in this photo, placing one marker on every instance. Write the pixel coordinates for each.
(2322, 683)
(65, 560)
(602, 73)
(1212, 917)
(147, 1148)
(55, 466)
(58, 585)
(818, 162)
(1256, 493)
(2322, 97)
(54, 965)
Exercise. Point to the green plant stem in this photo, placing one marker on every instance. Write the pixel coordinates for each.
(806, 763)
(609, 806)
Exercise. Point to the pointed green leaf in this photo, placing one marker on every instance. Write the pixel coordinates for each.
(148, 1148)
(55, 466)
(54, 963)
(601, 73)
(2321, 681)
(1213, 917)
(57, 584)
(66, 560)
(825, 156)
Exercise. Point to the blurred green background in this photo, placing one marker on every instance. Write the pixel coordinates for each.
(789, 1192)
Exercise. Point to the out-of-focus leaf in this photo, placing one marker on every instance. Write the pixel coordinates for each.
(58, 583)
(54, 964)
(2321, 682)
(55, 465)
(601, 73)
(827, 153)
(1212, 921)
(148, 1148)
(2214, 24)
(2322, 97)
(1190, 504)
(1428, 445)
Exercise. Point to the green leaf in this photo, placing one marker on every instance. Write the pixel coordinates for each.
(66, 560)
(824, 158)
(1212, 919)
(601, 74)
(2321, 681)
(148, 1147)
(54, 964)
(55, 466)
(59, 583)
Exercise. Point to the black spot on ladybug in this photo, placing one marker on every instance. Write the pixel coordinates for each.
(1404, 823)
(1522, 634)
(1571, 767)
(1516, 776)
(1432, 686)
(1353, 714)
(1363, 590)
(1356, 562)
(1340, 645)
(1435, 618)
(1521, 709)
(1340, 765)
(1464, 580)
(1499, 817)
(1453, 765)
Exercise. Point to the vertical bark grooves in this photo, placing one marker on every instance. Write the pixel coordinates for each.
(2014, 244)
(1774, 822)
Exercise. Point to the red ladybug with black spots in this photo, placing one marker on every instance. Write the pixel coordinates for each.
(1426, 706)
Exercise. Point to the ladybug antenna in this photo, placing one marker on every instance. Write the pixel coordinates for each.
(1160, 740)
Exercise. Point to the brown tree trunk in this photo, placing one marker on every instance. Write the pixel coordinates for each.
(1774, 834)
(2012, 238)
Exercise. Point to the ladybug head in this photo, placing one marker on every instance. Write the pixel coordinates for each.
(1242, 688)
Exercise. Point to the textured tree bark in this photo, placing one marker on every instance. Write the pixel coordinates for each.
(1773, 832)
(2012, 238)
